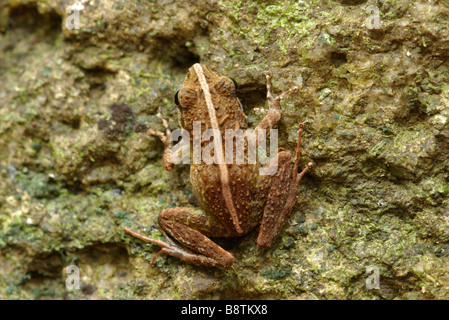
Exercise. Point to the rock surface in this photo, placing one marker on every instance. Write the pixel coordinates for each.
(76, 165)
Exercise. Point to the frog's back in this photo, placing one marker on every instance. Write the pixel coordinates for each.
(244, 189)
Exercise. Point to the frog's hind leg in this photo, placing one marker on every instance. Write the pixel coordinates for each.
(281, 195)
(183, 224)
(167, 247)
(274, 111)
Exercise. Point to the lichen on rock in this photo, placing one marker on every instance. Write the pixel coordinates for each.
(76, 165)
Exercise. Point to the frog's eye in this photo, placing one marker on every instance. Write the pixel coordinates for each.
(225, 85)
(185, 98)
(176, 98)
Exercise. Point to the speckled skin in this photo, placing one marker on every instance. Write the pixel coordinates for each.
(234, 198)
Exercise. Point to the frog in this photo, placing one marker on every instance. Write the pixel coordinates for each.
(233, 198)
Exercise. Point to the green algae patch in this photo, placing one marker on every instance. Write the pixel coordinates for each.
(76, 164)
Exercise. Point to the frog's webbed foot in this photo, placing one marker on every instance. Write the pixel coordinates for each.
(282, 95)
(180, 224)
(166, 140)
(280, 203)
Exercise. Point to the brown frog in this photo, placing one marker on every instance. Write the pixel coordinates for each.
(234, 198)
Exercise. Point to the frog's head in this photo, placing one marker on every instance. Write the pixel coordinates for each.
(210, 99)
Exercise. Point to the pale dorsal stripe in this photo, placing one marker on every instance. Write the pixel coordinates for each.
(224, 177)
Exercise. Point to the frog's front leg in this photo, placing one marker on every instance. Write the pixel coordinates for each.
(166, 140)
(282, 193)
(183, 224)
